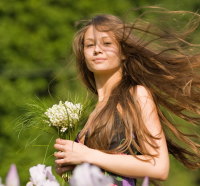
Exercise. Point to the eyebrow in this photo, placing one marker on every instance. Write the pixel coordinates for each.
(93, 39)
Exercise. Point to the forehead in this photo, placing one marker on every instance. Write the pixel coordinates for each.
(92, 34)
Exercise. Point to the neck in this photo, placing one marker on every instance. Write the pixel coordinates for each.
(105, 83)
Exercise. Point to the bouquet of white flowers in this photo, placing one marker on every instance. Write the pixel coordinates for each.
(66, 118)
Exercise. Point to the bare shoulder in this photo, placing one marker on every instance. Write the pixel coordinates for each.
(144, 97)
(148, 109)
(142, 91)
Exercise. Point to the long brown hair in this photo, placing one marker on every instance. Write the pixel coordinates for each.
(164, 62)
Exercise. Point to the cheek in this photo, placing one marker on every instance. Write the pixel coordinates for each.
(87, 59)
(114, 55)
(87, 54)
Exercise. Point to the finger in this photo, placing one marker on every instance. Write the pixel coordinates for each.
(59, 154)
(61, 161)
(59, 147)
(61, 141)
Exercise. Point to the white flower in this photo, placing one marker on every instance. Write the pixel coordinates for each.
(89, 175)
(41, 175)
(45, 183)
(37, 174)
(29, 184)
(50, 183)
(63, 129)
(64, 115)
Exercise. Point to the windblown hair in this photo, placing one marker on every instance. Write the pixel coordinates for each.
(164, 62)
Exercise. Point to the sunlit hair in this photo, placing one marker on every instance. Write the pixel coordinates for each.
(163, 61)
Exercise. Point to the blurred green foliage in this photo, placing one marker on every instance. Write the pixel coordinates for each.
(35, 60)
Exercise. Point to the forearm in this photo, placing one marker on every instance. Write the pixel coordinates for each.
(130, 166)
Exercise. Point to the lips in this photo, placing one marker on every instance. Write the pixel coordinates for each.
(99, 59)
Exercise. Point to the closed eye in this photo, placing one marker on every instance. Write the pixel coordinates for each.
(107, 43)
(89, 45)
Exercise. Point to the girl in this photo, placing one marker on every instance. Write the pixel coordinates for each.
(128, 134)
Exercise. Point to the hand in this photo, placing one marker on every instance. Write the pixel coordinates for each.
(71, 153)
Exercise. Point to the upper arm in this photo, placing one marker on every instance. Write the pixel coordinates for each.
(148, 110)
(152, 123)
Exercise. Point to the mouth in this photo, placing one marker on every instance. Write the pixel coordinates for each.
(99, 59)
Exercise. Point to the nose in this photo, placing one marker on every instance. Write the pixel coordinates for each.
(97, 49)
